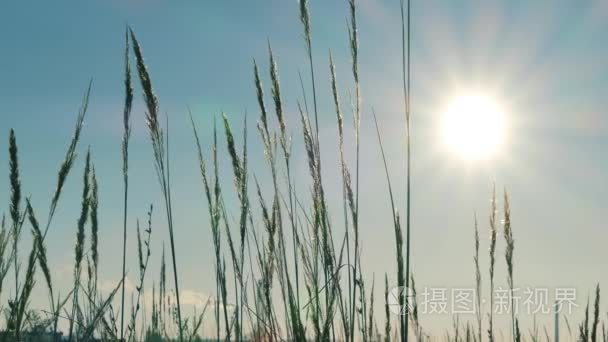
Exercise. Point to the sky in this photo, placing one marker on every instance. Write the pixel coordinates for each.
(544, 62)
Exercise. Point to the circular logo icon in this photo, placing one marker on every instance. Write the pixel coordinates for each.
(397, 298)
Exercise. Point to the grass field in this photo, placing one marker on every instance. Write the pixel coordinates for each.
(281, 270)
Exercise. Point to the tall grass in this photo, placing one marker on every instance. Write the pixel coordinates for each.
(15, 202)
(510, 247)
(79, 248)
(5, 260)
(596, 314)
(125, 171)
(70, 157)
(405, 59)
(267, 288)
(477, 283)
(160, 151)
(143, 254)
(493, 232)
(401, 282)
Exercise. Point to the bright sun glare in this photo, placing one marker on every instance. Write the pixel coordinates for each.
(473, 126)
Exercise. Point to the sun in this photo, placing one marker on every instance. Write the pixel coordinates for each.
(473, 126)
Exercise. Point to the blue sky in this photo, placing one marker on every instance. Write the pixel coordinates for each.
(544, 61)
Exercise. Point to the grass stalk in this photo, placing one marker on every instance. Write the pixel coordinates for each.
(94, 203)
(5, 262)
(477, 282)
(70, 157)
(125, 172)
(596, 314)
(510, 247)
(345, 177)
(405, 52)
(493, 232)
(387, 313)
(37, 234)
(143, 253)
(305, 19)
(80, 235)
(15, 203)
(401, 281)
(161, 164)
(354, 50)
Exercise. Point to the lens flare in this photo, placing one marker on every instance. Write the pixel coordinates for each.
(473, 126)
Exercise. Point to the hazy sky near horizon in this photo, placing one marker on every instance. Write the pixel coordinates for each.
(545, 62)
